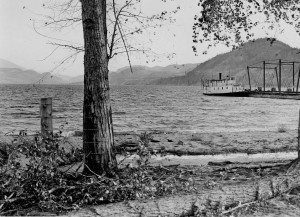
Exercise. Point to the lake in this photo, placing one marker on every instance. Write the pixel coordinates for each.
(147, 108)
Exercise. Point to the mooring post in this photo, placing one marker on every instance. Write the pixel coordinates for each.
(46, 118)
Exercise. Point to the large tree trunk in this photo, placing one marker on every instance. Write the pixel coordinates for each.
(97, 115)
(233, 193)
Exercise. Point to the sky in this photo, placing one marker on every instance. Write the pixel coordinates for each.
(29, 47)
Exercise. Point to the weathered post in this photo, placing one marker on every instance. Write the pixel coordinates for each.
(46, 118)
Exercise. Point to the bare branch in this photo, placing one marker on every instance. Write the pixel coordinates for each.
(62, 62)
(53, 51)
(117, 16)
(45, 36)
(125, 20)
(79, 49)
(120, 30)
(67, 21)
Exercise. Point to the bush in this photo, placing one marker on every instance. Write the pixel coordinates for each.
(41, 184)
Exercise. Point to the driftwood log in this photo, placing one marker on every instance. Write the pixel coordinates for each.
(184, 205)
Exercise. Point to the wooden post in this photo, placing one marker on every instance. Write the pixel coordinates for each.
(46, 118)
(279, 84)
(249, 77)
(277, 78)
(298, 81)
(293, 76)
(299, 136)
(264, 67)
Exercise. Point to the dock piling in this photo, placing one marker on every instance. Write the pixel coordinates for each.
(298, 81)
(293, 76)
(249, 77)
(264, 68)
(279, 79)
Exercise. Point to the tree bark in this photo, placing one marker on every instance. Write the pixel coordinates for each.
(97, 115)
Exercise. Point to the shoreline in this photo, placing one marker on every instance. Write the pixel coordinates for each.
(187, 143)
(249, 142)
(209, 170)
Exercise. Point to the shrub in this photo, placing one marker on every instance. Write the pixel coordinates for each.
(40, 183)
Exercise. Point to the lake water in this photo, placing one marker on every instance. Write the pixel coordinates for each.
(145, 108)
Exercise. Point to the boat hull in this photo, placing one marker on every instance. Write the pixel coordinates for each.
(233, 94)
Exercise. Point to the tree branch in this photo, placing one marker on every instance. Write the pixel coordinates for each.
(120, 30)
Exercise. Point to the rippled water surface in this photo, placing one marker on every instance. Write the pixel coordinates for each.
(143, 108)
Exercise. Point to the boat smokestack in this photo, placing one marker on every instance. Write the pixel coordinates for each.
(220, 76)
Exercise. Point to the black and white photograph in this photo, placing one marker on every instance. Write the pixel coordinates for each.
(150, 108)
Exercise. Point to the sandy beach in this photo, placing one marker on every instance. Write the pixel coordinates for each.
(250, 142)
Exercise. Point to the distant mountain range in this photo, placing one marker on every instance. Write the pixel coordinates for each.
(10, 73)
(143, 75)
(8, 64)
(233, 63)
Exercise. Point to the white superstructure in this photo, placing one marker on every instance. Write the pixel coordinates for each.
(226, 86)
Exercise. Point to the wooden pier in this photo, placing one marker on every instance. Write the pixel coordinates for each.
(277, 91)
(275, 95)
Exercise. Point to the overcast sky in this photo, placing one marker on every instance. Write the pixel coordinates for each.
(22, 45)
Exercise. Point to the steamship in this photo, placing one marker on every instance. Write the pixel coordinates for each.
(224, 87)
